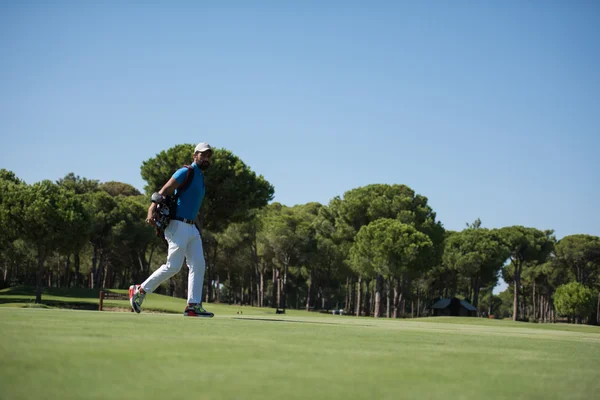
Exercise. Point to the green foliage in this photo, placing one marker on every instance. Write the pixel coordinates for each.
(490, 303)
(49, 216)
(526, 247)
(78, 184)
(119, 189)
(105, 215)
(361, 206)
(366, 204)
(9, 176)
(580, 254)
(388, 247)
(574, 300)
(476, 253)
(10, 191)
(527, 244)
(505, 308)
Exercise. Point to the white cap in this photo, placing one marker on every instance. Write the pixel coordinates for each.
(202, 147)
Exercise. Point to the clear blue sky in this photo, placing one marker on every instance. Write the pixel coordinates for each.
(490, 110)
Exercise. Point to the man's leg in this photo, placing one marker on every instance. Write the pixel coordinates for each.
(197, 267)
(177, 245)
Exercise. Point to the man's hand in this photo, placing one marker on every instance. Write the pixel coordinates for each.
(167, 190)
(150, 216)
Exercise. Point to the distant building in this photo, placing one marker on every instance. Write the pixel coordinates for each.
(453, 307)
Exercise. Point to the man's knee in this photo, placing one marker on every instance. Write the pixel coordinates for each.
(197, 264)
(173, 268)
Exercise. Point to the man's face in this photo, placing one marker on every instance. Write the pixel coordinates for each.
(202, 159)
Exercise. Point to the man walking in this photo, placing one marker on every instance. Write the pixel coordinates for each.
(182, 236)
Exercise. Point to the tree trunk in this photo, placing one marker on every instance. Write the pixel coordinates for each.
(38, 277)
(598, 311)
(255, 263)
(476, 290)
(284, 284)
(94, 267)
(542, 308)
(418, 302)
(412, 308)
(352, 297)
(262, 289)
(232, 290)
(517, 284)
(274, 288)
(378, 282)
(388, 311)
(358, 290)
(251, 289)
(146, 272)
(77, 263)
(520, 308)
(137, 274)
(533, 299)
(454, 285)
(106, 283)
(470, 292)
(113, 279)
(100, 268)
(396, 296)
(402, 297)
(372, 298)
(403, 307)
(278, 276)
(6, 266)
(366, 301)
(209, 282)
(258, 280)
(308, 293)
(347, 296)
(69, 281)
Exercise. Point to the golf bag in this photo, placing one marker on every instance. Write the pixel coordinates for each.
(166, 206)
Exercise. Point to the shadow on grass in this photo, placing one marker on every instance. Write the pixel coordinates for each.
(80, 293)
(294, 321)
(51, 303)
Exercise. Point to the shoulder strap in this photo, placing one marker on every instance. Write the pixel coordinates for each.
(189, 177)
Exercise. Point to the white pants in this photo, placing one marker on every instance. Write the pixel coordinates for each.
(184, 242)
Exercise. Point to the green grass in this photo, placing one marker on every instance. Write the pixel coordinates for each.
(511, 324)
(87, 299)
(65, 354)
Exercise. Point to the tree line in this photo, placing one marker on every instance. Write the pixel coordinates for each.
(377, 250)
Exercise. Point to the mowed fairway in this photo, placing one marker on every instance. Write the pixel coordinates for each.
(66, 354)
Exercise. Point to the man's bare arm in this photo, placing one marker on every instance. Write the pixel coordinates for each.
(169, 187)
